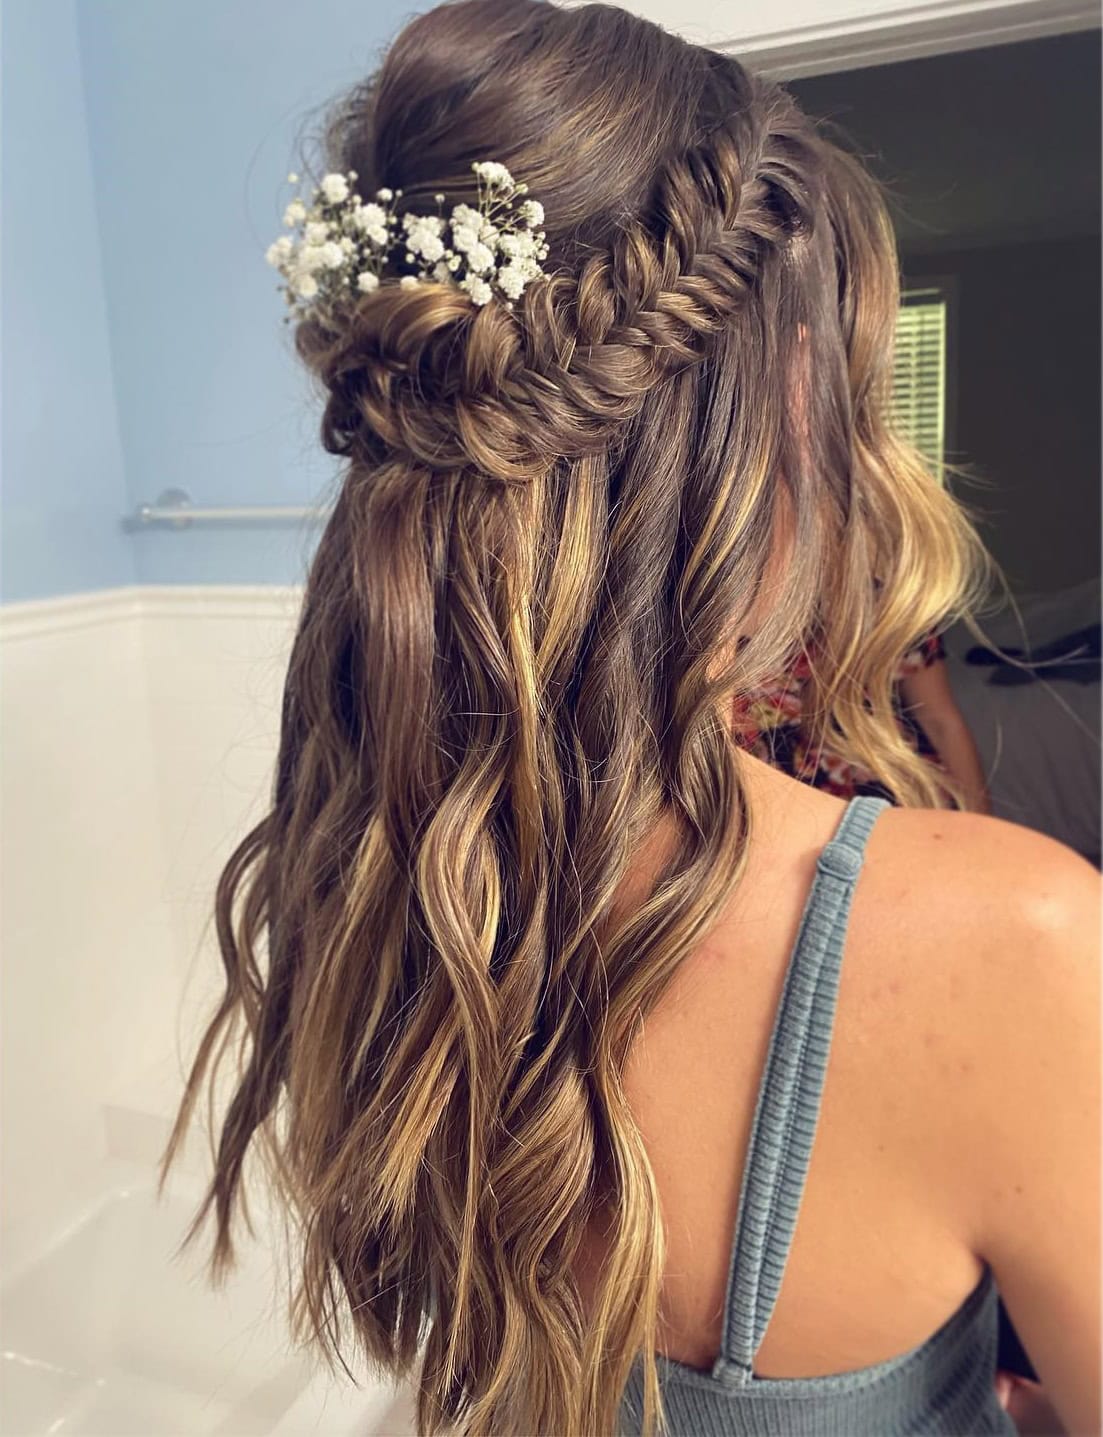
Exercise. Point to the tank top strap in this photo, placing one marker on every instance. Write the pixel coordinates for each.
(787, 1110)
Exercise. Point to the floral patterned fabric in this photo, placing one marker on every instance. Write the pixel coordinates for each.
(772, 730)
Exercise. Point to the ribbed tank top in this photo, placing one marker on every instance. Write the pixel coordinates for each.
(946, 1384)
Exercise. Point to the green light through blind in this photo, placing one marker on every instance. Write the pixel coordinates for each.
(919, 379)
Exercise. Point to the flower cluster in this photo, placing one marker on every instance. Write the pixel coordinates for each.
(346, 245)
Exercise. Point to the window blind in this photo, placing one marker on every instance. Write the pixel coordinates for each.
(919, 378)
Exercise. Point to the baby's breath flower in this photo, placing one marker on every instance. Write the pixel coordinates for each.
(494, 174)
(292, 178)
(493, 247)
(423, 236)
(279, 251)
(335, 188)
(521, 245)
(480, 258)
(370, 216)
(477, 288)
(431, 224)
(511, 281)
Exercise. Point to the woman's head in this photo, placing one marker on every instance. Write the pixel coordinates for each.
(518, 651)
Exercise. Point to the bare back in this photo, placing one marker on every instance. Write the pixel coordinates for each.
(888, 1241)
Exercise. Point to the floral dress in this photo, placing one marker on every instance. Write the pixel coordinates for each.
(772, 729)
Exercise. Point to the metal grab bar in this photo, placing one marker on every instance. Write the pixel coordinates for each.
(174, 508)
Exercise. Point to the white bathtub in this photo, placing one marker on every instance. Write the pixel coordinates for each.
(105, 1333)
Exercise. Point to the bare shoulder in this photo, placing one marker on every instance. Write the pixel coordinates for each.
(1005, 922)
(976, 946)
(1002, 925)
(986, 869)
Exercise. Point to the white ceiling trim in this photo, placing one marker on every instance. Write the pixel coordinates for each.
(815, 37)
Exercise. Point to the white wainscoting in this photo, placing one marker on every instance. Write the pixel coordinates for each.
(139, 731)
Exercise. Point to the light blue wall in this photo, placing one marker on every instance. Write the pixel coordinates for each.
(153, 318)
(63, 484)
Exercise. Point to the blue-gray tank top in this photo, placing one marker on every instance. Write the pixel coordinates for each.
(946, 1384)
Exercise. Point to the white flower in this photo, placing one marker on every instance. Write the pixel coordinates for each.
(335, 188)
(293, 178)
(433, 224)
(423, 236)
(279, 251)
(511, 281)
(520, 245)
(370, 217)
(495, 256)
(479, 258)
(494, 174)
(478, 289)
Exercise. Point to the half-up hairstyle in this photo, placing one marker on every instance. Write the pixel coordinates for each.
(523, 633)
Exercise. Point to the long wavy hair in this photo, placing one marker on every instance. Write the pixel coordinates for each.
(568, 536)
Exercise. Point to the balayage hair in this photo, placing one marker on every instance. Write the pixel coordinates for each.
(567, 538)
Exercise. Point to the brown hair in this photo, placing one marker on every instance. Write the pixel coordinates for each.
(517, 651)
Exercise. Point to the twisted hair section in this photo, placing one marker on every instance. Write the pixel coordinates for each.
(567, 537)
